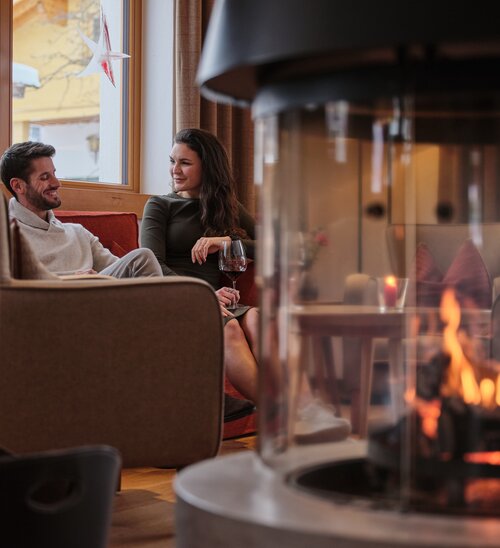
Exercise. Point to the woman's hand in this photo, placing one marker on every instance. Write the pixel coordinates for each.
(228, 296)
(204, 246)
(226, 312)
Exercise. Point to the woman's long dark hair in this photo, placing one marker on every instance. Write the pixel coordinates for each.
(218, 202)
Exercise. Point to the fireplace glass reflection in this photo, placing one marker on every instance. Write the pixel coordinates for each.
(351, 191)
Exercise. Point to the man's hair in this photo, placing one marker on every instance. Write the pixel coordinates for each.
(16, 161)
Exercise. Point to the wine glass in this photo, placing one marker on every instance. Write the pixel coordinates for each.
(233, 262)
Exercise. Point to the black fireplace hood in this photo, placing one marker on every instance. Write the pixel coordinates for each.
(256, 49)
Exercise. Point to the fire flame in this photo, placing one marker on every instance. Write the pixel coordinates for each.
(461, 380)
(429, 411)
(489, 457)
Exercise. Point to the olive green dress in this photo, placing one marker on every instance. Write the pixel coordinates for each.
(170, 227)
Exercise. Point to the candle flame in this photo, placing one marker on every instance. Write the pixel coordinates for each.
(390, 281)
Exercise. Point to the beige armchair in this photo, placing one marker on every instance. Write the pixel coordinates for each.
(135, 364)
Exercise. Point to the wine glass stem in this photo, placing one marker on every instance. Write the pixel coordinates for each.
(234, 284)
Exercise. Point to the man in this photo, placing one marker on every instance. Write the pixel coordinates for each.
(28, 172)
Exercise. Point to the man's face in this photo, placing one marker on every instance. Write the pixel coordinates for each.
(41, 192)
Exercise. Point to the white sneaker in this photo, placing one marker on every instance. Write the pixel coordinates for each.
(317, 423)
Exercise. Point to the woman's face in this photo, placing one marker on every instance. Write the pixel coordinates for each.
(185, 168)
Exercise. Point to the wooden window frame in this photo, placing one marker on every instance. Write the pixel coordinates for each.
(5, 74)
(78, 195)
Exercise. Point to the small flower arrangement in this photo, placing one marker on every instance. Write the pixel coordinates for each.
(311, 242)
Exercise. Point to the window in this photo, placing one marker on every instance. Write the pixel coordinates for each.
(98, 128)
(71, 85)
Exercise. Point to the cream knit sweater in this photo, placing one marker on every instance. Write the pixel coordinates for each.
(64, 248)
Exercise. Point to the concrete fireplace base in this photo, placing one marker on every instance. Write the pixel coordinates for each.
(237, 502)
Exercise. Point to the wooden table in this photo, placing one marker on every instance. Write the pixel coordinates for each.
(320, 322)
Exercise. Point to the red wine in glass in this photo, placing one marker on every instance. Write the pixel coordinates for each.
(232, 262)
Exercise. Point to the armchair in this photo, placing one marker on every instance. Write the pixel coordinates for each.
(119, 232)
(136, 364)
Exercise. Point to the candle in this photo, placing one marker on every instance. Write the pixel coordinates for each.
(390, 291)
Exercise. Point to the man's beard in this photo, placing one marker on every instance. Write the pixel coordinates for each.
(39, 201)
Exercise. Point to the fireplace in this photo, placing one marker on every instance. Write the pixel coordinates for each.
(377, 140)
(443, 454)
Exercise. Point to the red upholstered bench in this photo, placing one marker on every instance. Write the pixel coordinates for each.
(248, 295)
(119, 232)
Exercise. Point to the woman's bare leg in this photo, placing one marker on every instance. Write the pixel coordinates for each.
(241, 367)
(250, 325)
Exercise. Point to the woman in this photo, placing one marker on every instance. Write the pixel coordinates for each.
(185, 230)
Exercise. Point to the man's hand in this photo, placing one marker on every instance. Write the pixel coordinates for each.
(87, 271)
(204, 246)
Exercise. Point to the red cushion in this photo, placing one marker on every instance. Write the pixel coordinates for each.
(467, 274)
(245, 426)
(241, 427)
(426, 288)
(470, 278)
(425, 267)
(108, 226)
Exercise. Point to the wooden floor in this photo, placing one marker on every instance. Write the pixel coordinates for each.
(143, 514)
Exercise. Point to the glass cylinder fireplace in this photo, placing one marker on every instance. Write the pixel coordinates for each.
(378, 173)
